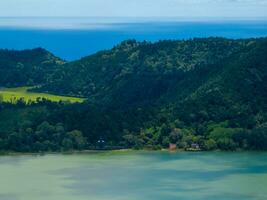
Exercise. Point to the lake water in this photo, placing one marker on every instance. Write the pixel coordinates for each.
(135, 176)
(72, 38)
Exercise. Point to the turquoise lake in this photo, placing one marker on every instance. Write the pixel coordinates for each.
(135, 176)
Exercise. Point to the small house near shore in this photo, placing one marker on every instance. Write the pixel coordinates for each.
(172, 146)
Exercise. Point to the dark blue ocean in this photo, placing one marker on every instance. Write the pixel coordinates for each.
(73, 41)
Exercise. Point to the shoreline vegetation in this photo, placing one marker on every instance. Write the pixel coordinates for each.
(115, 151)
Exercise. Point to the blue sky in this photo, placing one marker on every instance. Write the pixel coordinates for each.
(136, 8)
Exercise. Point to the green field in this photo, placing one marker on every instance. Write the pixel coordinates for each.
(13, 94)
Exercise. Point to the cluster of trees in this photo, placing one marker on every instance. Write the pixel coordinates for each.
(23, 128)
(48, 126)
(51, 126)
(211, 137)
(45, 137)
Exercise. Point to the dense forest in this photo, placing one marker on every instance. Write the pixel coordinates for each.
(27, 68)
(208, 92)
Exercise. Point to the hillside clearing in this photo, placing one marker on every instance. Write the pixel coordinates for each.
(14, 94)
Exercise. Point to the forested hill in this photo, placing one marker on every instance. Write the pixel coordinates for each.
(135, 73)
(211, 92)
(27, 67)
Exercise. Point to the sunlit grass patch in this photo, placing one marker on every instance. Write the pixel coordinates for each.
(12, 95)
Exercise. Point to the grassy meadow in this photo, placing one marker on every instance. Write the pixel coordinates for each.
(14, 94)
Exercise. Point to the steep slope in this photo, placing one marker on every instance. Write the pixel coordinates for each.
(134, 73)
(26, 68)
(236, 90)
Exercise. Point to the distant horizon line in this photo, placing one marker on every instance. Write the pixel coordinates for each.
(108, 23)
(142, 17)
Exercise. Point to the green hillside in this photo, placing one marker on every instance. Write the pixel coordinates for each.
(135, 72)
(26, 68)
(211, 92)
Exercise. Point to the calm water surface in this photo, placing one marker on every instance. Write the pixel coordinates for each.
(73, 38)
(135, 176)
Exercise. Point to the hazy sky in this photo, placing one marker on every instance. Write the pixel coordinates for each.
(136, 8)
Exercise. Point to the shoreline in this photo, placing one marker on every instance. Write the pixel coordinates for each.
(3, 153)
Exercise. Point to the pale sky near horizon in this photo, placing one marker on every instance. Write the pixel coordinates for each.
(136, 8)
